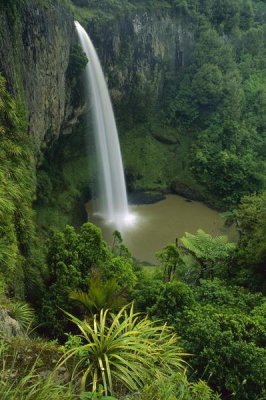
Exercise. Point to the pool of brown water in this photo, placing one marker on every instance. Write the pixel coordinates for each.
(159, 224)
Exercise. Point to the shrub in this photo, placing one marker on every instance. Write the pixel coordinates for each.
(123, 348)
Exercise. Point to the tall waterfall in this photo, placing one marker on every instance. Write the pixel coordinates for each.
(113, 205)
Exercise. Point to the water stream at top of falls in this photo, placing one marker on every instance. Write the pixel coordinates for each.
(112, 204)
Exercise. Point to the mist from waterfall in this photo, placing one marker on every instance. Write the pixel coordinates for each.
(112, 204)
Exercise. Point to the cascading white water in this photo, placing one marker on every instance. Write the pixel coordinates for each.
(113, 196)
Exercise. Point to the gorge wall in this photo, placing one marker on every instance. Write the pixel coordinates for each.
(140, 50)
(35, 42)
(144, 50)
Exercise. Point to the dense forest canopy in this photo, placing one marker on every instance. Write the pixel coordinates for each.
(85, 320)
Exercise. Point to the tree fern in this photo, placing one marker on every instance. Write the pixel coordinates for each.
(210, 252)
(204, 246)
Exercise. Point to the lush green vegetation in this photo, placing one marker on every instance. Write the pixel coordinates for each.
(71, 258)
(16, 194)
(63, 183)
(216, 99)
(80, 320)
(220, 97)
(221, 325)
(64, 176)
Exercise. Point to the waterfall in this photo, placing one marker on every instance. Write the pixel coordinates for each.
(113, 205)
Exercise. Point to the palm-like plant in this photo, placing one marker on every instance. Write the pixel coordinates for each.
(100, 294)
(124, 348)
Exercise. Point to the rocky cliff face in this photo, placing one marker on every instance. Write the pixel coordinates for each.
(143, 53)
(140, 50)
(34, 54)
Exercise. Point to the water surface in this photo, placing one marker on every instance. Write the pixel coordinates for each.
(159, 224)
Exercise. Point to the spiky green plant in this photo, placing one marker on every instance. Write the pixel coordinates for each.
(17, 190)
(125, 348)
(22, 312)
(100, 294)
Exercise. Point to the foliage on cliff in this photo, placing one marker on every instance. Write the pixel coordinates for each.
(17, 191)
(220, 95)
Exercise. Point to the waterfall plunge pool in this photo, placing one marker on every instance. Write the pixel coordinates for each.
(153, 226)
